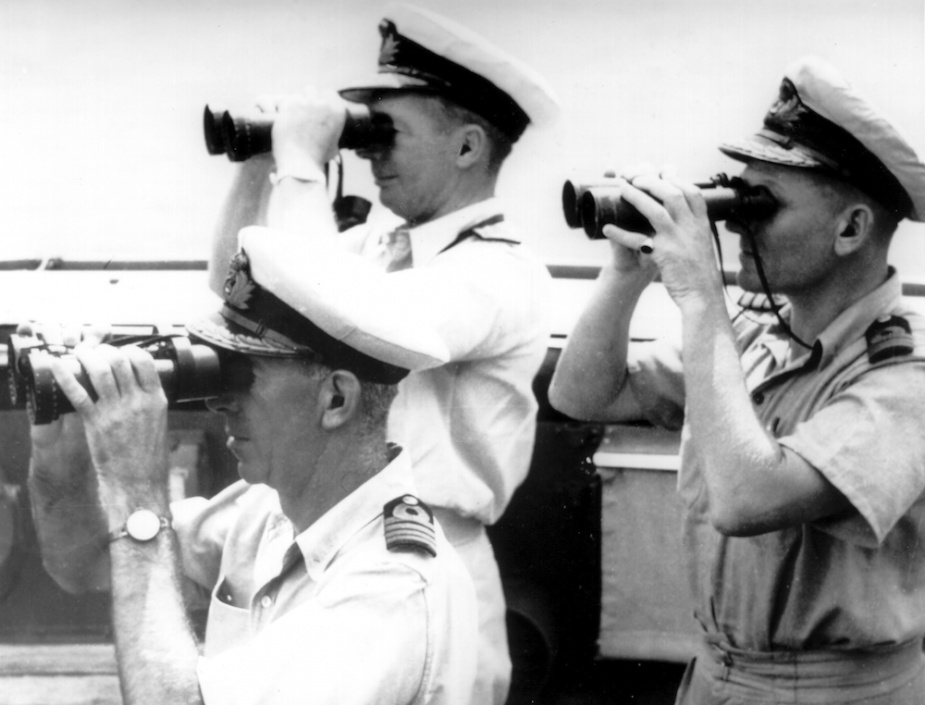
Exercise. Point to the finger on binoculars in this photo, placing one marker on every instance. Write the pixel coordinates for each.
(143, 368)
(78, 396)
(628, 239)
(636, 170)
(54, 333)
(669, 172)
(120, 366)
(98, 363)
(272, 102)
(97, 333)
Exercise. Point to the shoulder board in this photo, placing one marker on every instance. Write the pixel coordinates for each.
(409, 525)
(481, 231)
(888, 337)
(488, 232)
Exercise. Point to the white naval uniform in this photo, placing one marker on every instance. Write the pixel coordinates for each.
(331, 615)
(470, 425)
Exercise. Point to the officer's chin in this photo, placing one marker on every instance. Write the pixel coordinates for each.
(252, 474)
(747, 278)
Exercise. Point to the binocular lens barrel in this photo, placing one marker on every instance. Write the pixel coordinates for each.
(593, 205)
(572, 192)
(188, 372)
(241, 136)
(246, 136)
(603, 204)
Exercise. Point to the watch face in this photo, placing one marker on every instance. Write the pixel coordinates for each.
(143, 525)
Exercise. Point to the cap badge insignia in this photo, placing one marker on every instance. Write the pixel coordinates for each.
(389, 49)
(788, 111)
(238, 287)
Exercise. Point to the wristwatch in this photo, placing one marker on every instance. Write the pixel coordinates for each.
(142, 526)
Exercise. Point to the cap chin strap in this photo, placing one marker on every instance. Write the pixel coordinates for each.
(765, 287)
(279, 343)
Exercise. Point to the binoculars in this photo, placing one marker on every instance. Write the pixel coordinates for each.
(240, 137)
(592, 205)
(188, 372)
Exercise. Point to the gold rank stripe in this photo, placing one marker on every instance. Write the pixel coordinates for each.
(402, 533)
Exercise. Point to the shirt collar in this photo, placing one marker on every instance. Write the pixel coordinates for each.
(320, 542)
(847, 327)
(430, 238)
(852, 323)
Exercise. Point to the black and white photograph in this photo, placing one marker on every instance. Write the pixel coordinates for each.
(563, 352)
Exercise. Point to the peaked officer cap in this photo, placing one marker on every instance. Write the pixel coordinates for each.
(424, 51)
(287, 297)
(819, 121)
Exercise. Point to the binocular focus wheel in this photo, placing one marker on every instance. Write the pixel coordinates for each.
(42, 403)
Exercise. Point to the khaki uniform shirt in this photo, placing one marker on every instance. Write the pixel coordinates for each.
(847, 582)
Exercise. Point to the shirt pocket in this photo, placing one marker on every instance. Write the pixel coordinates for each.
(228, 625)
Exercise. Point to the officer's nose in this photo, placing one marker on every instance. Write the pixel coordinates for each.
(377, 148)
(372, 152)
(734, 226)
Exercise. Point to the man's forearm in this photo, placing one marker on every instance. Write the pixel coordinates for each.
(155, 645)
(302, 207)
(591, 371)
(737, 454)
(70, 525)
(246, 204)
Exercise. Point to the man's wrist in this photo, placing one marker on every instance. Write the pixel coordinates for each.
(700, 304)
(119, 502)
(304, 174)
(141, 526)
(50, 489)
(57, 451)
(626, 283)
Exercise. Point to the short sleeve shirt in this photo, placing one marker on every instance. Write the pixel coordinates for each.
(330, 615)
(847, 582)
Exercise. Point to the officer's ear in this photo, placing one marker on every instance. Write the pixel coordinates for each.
(472, 142)
(340, 399)
(853, 228)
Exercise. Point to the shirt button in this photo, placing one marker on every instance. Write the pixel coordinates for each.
(758, 398)
(266, 601)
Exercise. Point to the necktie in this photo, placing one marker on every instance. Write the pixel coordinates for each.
(397, 245)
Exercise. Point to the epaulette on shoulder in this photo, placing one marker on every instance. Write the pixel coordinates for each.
(888, 337)
(488, 234)
(494, 229)
(409, 525)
